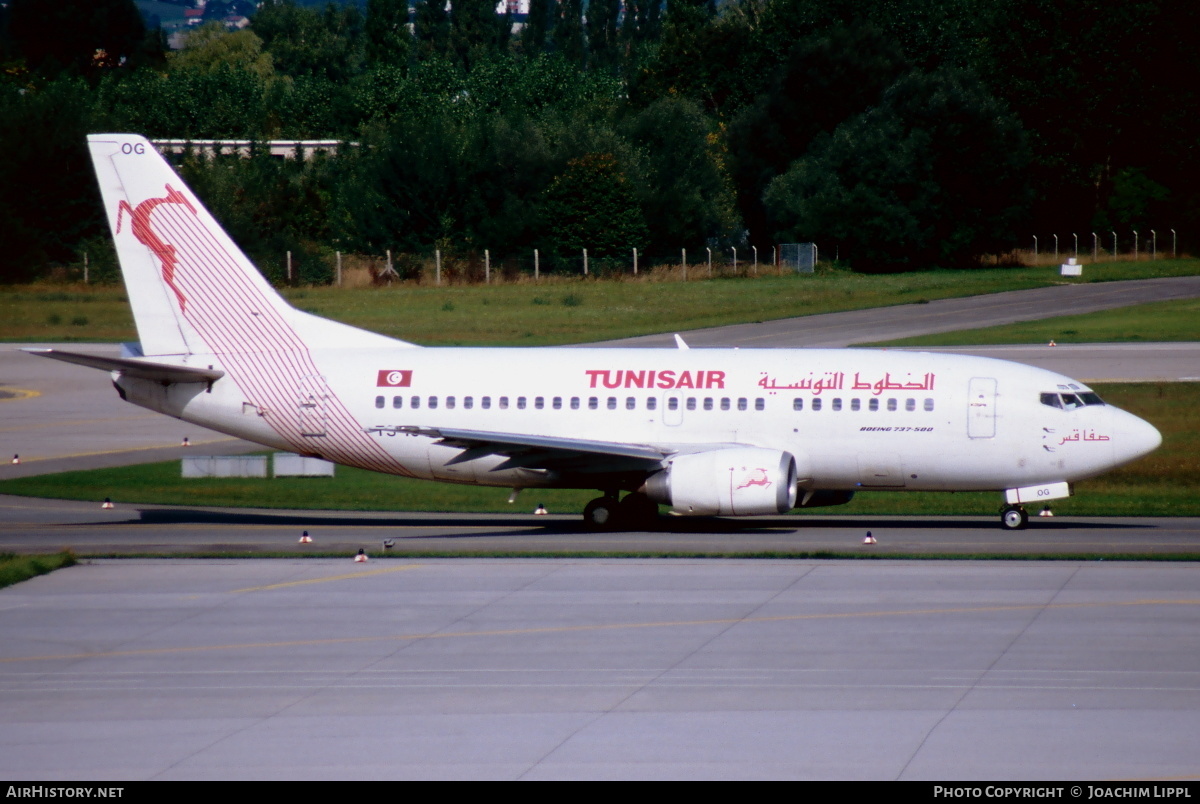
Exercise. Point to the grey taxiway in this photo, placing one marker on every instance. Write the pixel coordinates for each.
(528, 668)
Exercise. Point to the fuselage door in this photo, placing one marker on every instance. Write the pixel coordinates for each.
(314, 395)
(981, 407)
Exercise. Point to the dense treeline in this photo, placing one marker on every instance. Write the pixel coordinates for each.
(903, 133)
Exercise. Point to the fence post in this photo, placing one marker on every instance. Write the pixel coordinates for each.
(437, 266)
(735, 261)
(339, 269)
(585, 270)
(536, 275)
(755, 259)
(487, 267)
(709, 250)
(635, 262)
(289, 265)
(85, 268)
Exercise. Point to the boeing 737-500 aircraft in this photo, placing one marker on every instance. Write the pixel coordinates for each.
(703, 431)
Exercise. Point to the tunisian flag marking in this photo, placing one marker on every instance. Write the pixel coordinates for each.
(394, 379)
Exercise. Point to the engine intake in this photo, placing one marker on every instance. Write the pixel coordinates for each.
(737, 481)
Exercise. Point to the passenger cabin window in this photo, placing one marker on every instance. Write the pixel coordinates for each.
(630, 403)
(798, 404)
(855, 404)
(725, 403)
(450, 402)
(836, 404)
(910, 404)
(574, 403)
(928, 403)
(673, 403)
(743, 403)
(873, 404)
(892, 405)
(708, 403)
(593, 403)
(520, 403)
(539, 402)
(612, 403)
(378, 401)
(415, 402)
(433, 401)
(397, 401)
(691, 403)
(651, 403)
(557, 403)
(468, 402)
(816, 403)
(486, 403)
(503, 403)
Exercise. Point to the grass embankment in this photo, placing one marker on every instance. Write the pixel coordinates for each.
(14, 568)
(1177, 320)
(562, 310)
(1166, 483)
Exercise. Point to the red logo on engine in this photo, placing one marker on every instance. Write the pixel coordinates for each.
(754, 477)
(394, 379)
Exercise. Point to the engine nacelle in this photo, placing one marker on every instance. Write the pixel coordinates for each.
(738, 481)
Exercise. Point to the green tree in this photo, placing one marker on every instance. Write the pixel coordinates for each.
(591, 205)
(388, 41)
(568, 32)
(824, 80)
(210, 48)
(935, 176)
(304, 41)
(431, 29)
(686, 194)
(49, 203)
(475, 31)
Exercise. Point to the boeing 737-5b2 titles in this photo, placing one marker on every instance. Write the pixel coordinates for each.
(703, 431)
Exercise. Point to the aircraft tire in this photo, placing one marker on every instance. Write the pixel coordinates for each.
(601, 514)
(638, 511)
(1013, 517)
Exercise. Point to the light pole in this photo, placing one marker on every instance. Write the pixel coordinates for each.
(1056, 248)
(1153, 245)
(1035, 249)
(1095, 247)
(1174, 254)
(1076, 236)
(1135, 245)
(1114, 234)
(755, 259)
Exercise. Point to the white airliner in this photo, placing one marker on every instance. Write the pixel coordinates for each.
(704, 431)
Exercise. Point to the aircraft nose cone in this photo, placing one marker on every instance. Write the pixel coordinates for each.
(1134, 437)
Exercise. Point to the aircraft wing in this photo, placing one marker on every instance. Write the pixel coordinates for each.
(142, 369)
(547, 452)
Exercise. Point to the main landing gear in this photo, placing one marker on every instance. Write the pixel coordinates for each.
(1014, 517)
(607, 513)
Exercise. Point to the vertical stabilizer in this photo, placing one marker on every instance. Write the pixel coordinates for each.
(191, 288)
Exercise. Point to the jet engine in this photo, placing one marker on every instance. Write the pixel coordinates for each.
(735, 481)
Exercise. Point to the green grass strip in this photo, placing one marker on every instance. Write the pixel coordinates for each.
(15, 568)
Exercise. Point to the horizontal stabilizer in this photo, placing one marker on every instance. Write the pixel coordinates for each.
(141, 369)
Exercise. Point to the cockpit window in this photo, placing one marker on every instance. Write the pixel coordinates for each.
(1071, 401)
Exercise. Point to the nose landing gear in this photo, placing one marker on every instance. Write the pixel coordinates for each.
(1014, 517)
